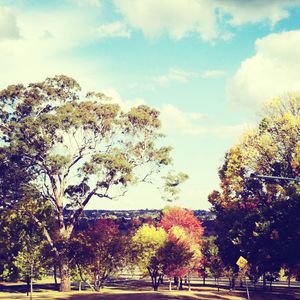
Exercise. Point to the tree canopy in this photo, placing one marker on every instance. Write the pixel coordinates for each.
(259, 217)
(68, 148)
(173, 248)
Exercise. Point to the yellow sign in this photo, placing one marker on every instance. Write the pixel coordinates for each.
(242, 262)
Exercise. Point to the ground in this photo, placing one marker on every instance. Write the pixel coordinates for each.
(134, 291)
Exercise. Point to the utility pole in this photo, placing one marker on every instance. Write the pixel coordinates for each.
(254, 175)
(31, 279)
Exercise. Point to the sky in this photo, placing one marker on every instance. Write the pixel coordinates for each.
(207, 65)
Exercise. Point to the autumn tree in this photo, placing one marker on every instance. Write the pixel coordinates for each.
(175, 256)
(185, 231)
(256, 217)
(72, 148)
(99, 253)
(147, 243)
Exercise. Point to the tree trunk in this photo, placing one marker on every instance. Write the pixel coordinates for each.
(264, 280)
(181, 284)
(204, 279)
(156, 283)
(170, 284)
(155, 280)
(176, 280)
(28, 285)
(65, 277)
(55, 276)
(233, 282)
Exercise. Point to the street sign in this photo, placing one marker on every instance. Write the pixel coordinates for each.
(242, 262)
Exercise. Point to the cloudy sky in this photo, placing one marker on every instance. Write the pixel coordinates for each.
(207, 65)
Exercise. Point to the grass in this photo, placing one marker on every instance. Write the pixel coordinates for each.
(139, 290)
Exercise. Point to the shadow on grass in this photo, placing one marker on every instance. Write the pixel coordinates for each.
(141, 290)
(136, 285)
(145, 296)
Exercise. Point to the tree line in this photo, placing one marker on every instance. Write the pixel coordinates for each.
(60, 149)
(170, 248)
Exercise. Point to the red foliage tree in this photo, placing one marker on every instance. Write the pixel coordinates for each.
(185, 233)
(100, 251)
(183, 218)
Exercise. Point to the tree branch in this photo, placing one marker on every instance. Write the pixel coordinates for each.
(74, 218)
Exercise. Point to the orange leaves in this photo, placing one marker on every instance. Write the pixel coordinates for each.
(184, 219)
(185, 230)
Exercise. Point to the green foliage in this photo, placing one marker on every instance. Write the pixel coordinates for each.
(212, 263)
(255, 217)
(60, 149)
(146, 242)
(69, 146)
(171, 188)
(30, 262)
(19, 236)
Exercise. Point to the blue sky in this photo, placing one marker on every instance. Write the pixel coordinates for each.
(208, 66)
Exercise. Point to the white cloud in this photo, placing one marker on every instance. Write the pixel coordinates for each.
(182, 76)
(179, 18)
(174, 75)
(242, 12)
(124, 104)
(176, 17)
(175, 121)
(113, 30)
(44, 49)
(274, 70)
(213, 74)
(96, 3)
(8, 24)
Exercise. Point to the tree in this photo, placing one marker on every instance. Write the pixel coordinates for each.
(173, 248)
(147, 243)
(185, 231)
(16, 214)
(176, 216)
(73, 149)
(211, 260)
(19, 236)
(99, 253)
(260, 218)
(30, 263)
(215, 263)
(175, 257)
